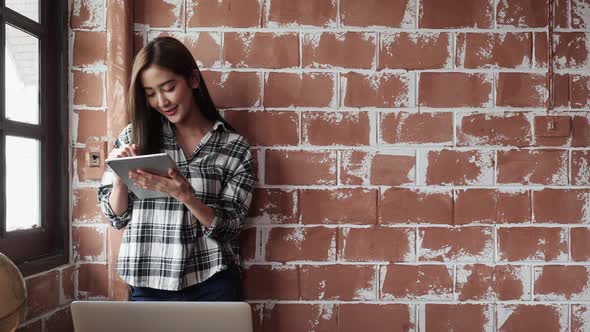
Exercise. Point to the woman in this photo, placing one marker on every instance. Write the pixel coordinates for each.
(181, 248)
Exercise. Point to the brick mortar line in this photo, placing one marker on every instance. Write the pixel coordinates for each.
(386, 147)
(403, 226)
(100, 69)
(368, 72)
(418, 302)
(140, 27)
(425, 188)
(385, 263)
(538, 111)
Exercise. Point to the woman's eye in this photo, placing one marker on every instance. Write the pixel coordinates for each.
(170, 89)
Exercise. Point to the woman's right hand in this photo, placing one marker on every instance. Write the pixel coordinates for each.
(127, 150)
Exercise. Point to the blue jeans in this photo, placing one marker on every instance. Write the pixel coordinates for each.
(222, 286)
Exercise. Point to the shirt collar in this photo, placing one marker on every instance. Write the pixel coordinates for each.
(218, 124)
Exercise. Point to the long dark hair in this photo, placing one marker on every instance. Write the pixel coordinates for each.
(171, 54)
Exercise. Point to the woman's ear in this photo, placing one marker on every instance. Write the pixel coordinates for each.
(195, 79)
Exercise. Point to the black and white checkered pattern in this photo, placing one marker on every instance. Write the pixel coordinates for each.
(164, 246)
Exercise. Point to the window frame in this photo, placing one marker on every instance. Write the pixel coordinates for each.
(40, 249)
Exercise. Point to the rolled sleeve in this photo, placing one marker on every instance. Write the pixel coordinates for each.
(106, 188)
(233, 204)
(104, 192)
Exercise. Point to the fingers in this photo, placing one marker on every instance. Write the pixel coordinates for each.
(124, 151)
(115, 153)
(130, 150)
(174, 175)
(145, 174)
(180, 181)
(140, 179)
(139, 176)
(147, 180)
(173, 185)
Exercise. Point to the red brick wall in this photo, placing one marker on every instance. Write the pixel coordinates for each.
(410, 177)
(87, 276)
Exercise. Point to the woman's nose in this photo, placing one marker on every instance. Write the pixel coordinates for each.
(162, 100)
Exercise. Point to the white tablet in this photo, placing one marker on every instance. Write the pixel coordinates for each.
(158, 163)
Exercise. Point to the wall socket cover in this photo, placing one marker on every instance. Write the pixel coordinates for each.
(94, 159)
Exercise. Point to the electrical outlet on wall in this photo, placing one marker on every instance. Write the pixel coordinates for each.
(94, 159)
(91, 167)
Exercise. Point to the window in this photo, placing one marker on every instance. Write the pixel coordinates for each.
(34, 191)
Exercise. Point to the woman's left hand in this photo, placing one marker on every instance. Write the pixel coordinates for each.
(174, 185)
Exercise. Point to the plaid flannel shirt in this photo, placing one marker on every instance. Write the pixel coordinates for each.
(164, 246)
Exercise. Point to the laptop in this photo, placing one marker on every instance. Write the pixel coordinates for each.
(118, 316)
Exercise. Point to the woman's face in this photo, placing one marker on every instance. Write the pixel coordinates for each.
(169, 93)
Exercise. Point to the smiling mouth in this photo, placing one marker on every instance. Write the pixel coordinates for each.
(170, 111)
